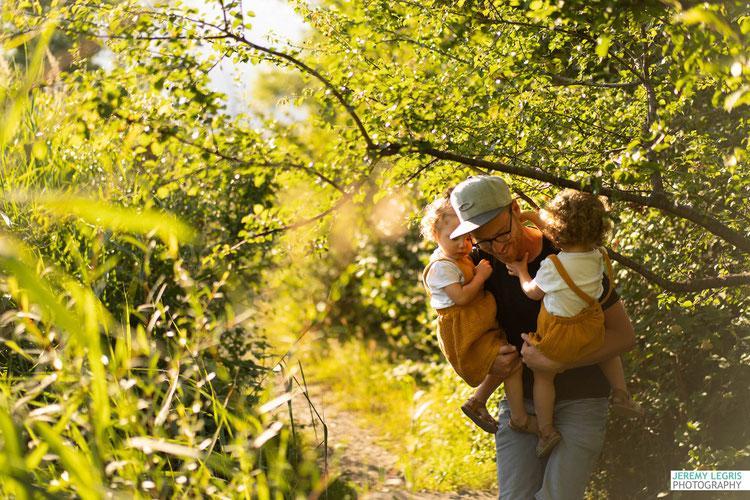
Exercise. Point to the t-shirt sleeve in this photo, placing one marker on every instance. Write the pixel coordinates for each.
(443, 273)
(547, 278)
(614, 297)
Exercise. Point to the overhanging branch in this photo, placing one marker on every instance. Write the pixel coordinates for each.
(343, 200)
(681, 286)
(561, 80)
(707, 222)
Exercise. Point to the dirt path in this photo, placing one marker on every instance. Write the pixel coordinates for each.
(361, 467)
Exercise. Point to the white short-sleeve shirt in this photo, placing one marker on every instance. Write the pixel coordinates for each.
(442, 274)
(584, 268)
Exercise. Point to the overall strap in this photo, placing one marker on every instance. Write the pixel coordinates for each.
(569, 281)
(427, 269)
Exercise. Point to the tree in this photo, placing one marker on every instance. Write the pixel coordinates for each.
(632, 103)
(642, 102)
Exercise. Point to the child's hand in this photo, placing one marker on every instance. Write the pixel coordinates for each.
(518, 267)
(528, 215)
(483, 269)
(534, 217)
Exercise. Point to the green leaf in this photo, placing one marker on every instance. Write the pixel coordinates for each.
(121, 219)
(701, 14)
(39, 150)
(14, 464)
(157, 148)
(602, 45)
(12, 344)
(37, 289)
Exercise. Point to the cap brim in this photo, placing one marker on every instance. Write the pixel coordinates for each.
(480, 220)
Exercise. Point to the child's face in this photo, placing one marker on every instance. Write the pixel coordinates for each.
(453, 248)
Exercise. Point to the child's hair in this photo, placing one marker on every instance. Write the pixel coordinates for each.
(574, 217)
(435, 215)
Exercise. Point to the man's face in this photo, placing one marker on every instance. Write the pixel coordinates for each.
(505, 251)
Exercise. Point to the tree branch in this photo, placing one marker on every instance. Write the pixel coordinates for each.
(424, 46)
(226, 34)
(709, 223)
(681, 286)
(307, 69)
(569, 81)
(344, 199)
(419, 171)
(656, 181)
(223, 156)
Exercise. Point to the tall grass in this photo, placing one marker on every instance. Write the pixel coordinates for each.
(125, 368)
(413, 409)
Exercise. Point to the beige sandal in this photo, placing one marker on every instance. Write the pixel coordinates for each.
(477, 412)
(548, 439)
(529, 425)
(624, 406)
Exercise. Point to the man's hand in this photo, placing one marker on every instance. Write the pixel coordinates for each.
(483, 269)
(519, 268)
(506, 362)
(536, 360)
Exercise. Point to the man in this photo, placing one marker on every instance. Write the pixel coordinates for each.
(487, 210)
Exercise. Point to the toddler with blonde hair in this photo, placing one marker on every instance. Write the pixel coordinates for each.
(468, 333)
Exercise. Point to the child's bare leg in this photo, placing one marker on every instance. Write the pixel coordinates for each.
(544, 397)
(544, 403)
(622, 402)
(612, 369)
(514, 394)
(487, 387)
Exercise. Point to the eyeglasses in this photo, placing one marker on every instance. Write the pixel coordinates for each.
(498, 238)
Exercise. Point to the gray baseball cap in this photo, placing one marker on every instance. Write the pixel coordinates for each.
(478, 200)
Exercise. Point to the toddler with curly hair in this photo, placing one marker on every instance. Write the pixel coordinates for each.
(571, 322)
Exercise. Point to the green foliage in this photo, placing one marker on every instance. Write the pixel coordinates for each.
(130, 361)
(139, 347)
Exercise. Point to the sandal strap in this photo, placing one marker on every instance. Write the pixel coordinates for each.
(621, 394)
(518, 427)
(474, 403)
(547, 431)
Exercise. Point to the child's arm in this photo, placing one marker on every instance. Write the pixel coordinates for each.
(520, 268)
(534, 217)
(464, 294)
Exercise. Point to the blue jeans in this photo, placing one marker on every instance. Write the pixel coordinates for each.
(564, 474)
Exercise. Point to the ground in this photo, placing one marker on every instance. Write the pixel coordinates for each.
(358, 466)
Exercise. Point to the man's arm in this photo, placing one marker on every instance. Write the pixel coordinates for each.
(619, 338)
(506, 362)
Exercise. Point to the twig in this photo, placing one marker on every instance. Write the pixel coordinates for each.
(569, 81)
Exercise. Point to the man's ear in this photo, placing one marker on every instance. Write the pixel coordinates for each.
(515, 208)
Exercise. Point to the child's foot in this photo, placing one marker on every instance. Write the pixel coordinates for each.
(529, 425)
(624, 406)
(477, 412)
(548, 439)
